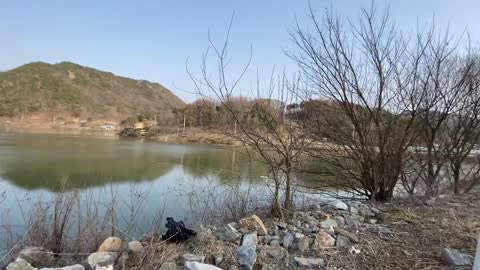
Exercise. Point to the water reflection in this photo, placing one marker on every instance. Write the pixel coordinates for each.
(57, 163)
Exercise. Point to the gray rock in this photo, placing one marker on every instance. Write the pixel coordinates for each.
(351, 222)
(135, 246)
(306, 230)
(455, 258)
(342, 241)
(168, 266)
(382, 230)
(296, 223)
(287, 240)
(250, 239)
(339, 205)
(318, 262)
(277, 252)
(302, 262)
(20, 264)
(353, 237)
(353, 210)
(309, 262)
(275, 243)
(246, 256)
(193, 258)
(329, 223)
(299, 236)
(232, 267)
(37, 256)
(340, 221)
(200, 266)
(270, 238)
(314, 228)
(227, 233)
(291, 227)
(303, 244)
(102, 259)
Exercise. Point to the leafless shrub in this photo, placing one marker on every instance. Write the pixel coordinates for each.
(75, 222)
(214, 203)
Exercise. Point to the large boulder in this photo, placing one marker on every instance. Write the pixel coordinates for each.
(37, 256)
(254, 223)
(111, 244)
(323, 240)
(227, 233)
(20, 264)
(102, 259)
(246, 256)
(200, 266)
(455, 258)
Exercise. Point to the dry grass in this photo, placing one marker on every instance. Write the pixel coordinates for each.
(158, 252)
(419, 234)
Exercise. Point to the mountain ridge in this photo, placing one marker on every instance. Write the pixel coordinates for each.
(69, 89)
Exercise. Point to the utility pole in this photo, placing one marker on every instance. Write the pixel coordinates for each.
(155, 125)
(184, 124)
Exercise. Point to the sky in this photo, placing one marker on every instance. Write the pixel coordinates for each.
(152, 40)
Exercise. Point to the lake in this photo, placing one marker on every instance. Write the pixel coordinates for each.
(181, 181)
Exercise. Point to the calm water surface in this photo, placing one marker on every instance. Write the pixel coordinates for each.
(162, 177)
(158, 179)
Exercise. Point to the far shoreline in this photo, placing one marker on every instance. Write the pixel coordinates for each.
(194, 136)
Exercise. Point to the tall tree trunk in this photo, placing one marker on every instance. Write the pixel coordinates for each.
(287, 204)
(276, 207)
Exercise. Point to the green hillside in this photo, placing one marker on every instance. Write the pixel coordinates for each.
(68, 89)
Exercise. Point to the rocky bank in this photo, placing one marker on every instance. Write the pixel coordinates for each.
(433, 234)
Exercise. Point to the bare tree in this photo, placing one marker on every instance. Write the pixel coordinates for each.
(261, 128)
(443, 82)
(367, 74)
(463, 125)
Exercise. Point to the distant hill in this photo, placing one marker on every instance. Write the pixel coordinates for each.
(70, 90)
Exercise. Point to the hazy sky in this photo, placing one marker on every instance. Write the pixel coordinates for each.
(152, 39)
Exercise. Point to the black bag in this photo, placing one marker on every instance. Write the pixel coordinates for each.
(176, 231)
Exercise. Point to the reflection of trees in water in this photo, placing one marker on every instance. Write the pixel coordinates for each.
(68, 163)
(225, 165)
(57, 175)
